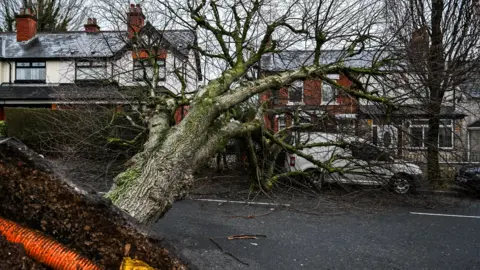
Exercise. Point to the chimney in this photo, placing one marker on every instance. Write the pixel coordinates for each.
(26, 24)
(92, 26)
(135, 20)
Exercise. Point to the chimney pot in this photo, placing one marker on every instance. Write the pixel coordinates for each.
(92, 26)
(135, 20)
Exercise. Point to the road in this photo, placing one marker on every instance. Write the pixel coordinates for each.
(398, 238)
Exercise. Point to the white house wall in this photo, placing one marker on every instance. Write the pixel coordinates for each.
(60, 72)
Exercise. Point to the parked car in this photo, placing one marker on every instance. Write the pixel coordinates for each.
(469, 177)
(360, 163)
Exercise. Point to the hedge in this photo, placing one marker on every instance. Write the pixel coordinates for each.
(81, 131)
(3, 129)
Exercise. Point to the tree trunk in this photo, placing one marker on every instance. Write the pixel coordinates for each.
(163, 171)
(436, 86)
(433, 165)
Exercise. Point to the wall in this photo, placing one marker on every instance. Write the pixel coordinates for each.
(60, 71)
(123, 73)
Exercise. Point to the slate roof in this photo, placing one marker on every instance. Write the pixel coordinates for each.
(289, 60)
(81, 44)
(409, 111)
(68, 92)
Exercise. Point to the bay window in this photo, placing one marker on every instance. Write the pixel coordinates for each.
(418, 133)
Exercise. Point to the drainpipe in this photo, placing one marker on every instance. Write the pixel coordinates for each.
(10, 73)
(468, 145)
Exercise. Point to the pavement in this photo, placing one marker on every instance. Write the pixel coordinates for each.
(395, 237)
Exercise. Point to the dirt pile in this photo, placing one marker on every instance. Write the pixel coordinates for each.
(33, 195)
(12, 256)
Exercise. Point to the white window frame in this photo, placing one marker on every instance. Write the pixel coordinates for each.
(281, 122)
(335, 94)
(301, 85)
(424, 133)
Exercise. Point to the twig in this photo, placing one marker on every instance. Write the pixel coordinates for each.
(228, 253)
(245, 236)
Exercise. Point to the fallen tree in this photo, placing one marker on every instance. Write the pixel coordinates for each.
(236, 36)
(34, 195)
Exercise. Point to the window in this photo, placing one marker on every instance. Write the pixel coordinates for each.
(144, 69)
(419, 129)
(329, 94)
(295, 92)
(281, 122)
(30, 72)
(91, 70)
(445, 134)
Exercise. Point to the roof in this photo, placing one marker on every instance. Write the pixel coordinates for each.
(289, 60)
(475, 124)
(68, 92)
(81, 44)
(409, 111)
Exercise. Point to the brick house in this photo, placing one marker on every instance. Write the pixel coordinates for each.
(61, 69)
(402, 132)
(313, 101)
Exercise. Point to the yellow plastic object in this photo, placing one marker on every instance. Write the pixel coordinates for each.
(131, 264)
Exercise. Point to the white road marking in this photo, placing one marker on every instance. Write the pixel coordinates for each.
(443, 215)
(243, 202)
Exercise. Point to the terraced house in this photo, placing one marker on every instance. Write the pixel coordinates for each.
(61, 69)
(402, 131)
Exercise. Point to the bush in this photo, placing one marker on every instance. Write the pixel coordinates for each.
(87, 132)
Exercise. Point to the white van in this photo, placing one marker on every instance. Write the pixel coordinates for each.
(358, 161)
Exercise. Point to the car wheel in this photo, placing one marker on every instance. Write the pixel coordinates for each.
(401, 185)
(315, 179)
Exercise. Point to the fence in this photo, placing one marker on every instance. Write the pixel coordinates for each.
(445, 156)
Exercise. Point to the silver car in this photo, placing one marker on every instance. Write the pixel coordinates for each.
(356, 161)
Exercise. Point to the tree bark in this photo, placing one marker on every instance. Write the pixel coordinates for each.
(164, 170)
(433, 165)
(436, 81)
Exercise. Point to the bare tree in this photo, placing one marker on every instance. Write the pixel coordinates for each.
(437, 46)
(232, 38)
(52, 15)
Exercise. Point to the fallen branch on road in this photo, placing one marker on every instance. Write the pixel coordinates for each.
(245, 236)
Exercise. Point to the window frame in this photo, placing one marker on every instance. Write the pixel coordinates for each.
(143, 64)
(424, 127)
(93, 63)
(334, 100)
(281, 122)
(30, 66)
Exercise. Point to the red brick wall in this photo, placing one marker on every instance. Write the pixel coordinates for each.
(312, 92)
(26, 27)
(282, 97)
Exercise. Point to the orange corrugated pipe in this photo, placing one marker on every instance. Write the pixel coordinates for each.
(44, 249)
